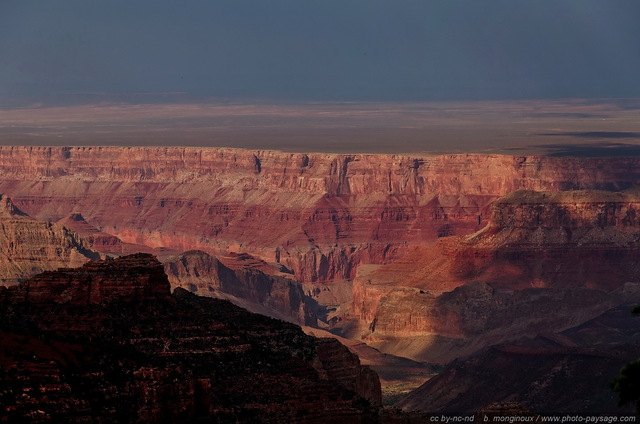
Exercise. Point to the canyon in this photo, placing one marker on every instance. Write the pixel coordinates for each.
(417, 260)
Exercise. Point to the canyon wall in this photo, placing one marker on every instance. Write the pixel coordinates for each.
(133, 278)
(545, 261)
(319, 214)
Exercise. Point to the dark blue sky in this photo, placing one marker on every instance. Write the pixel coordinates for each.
(322, 50)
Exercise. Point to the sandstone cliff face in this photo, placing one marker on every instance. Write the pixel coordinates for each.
(272, 295)
(156, 357)
(336, 363)
(28, 246)
(578, 238)
(319, 214)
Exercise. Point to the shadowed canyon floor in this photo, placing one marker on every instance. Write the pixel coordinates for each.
(425, 258)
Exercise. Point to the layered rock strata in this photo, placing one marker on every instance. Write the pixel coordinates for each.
(98, 240)
(29, 246)
(546, 261)
(319, 214)
(132, 278)
(157, 357)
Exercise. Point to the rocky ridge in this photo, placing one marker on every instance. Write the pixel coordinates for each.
(132, 278)
(157, 357)
(96, 239)
(248, 286)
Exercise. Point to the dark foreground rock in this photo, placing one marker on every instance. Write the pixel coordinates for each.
(140, 354)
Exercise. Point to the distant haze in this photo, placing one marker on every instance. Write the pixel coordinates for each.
(401, 50)
(560, 127)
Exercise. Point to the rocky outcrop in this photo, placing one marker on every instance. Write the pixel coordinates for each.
(132, 278)
(318, 214)
(97, 240)
(28, 246)
(155, 357)
(338, 364)
(550, 239)
(247, 286)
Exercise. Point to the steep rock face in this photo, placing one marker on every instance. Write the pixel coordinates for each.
(316, 213)
(205, 275)
(97, 239)
(28, 246)
(533, 239)
(132, 278)
(547, 239)
(166, 358)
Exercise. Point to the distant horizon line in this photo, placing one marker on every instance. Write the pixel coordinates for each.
(64, 97)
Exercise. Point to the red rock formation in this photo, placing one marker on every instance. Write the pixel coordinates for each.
(28, 246)
(336, 363)
(398, 375)
(319, 214)
(551, 239)
(97, 239)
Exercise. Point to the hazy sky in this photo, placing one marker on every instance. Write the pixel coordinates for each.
(324, 49)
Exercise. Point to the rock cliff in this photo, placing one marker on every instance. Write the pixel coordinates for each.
(98, 240)
(550, 239)
(137, 353)
(28, 246)
(319, 214)
(247, 286)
